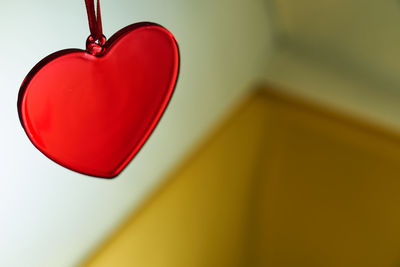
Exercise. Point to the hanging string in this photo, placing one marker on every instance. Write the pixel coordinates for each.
(94, 17)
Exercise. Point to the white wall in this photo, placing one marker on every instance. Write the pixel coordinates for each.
(53, 217)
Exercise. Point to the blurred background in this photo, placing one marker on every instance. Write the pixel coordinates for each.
(280, 147)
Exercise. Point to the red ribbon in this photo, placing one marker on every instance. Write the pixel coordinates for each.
(96, 29)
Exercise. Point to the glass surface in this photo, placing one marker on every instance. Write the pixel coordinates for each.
(91, 111)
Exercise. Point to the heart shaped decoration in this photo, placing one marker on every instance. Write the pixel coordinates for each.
(91, 111)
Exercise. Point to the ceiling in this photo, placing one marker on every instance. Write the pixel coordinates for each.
(361, 38)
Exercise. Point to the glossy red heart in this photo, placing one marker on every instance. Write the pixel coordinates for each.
(93, 112)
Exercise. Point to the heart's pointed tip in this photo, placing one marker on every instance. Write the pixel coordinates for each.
(103, 175)
(112, 175)
(108, 177)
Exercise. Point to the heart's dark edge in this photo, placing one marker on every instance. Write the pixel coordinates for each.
(107, 45)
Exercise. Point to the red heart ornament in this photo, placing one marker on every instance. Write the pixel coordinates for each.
(92, 112)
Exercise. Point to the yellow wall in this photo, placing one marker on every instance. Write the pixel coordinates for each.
(329, 192)
(280, 184)
(201, 217)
